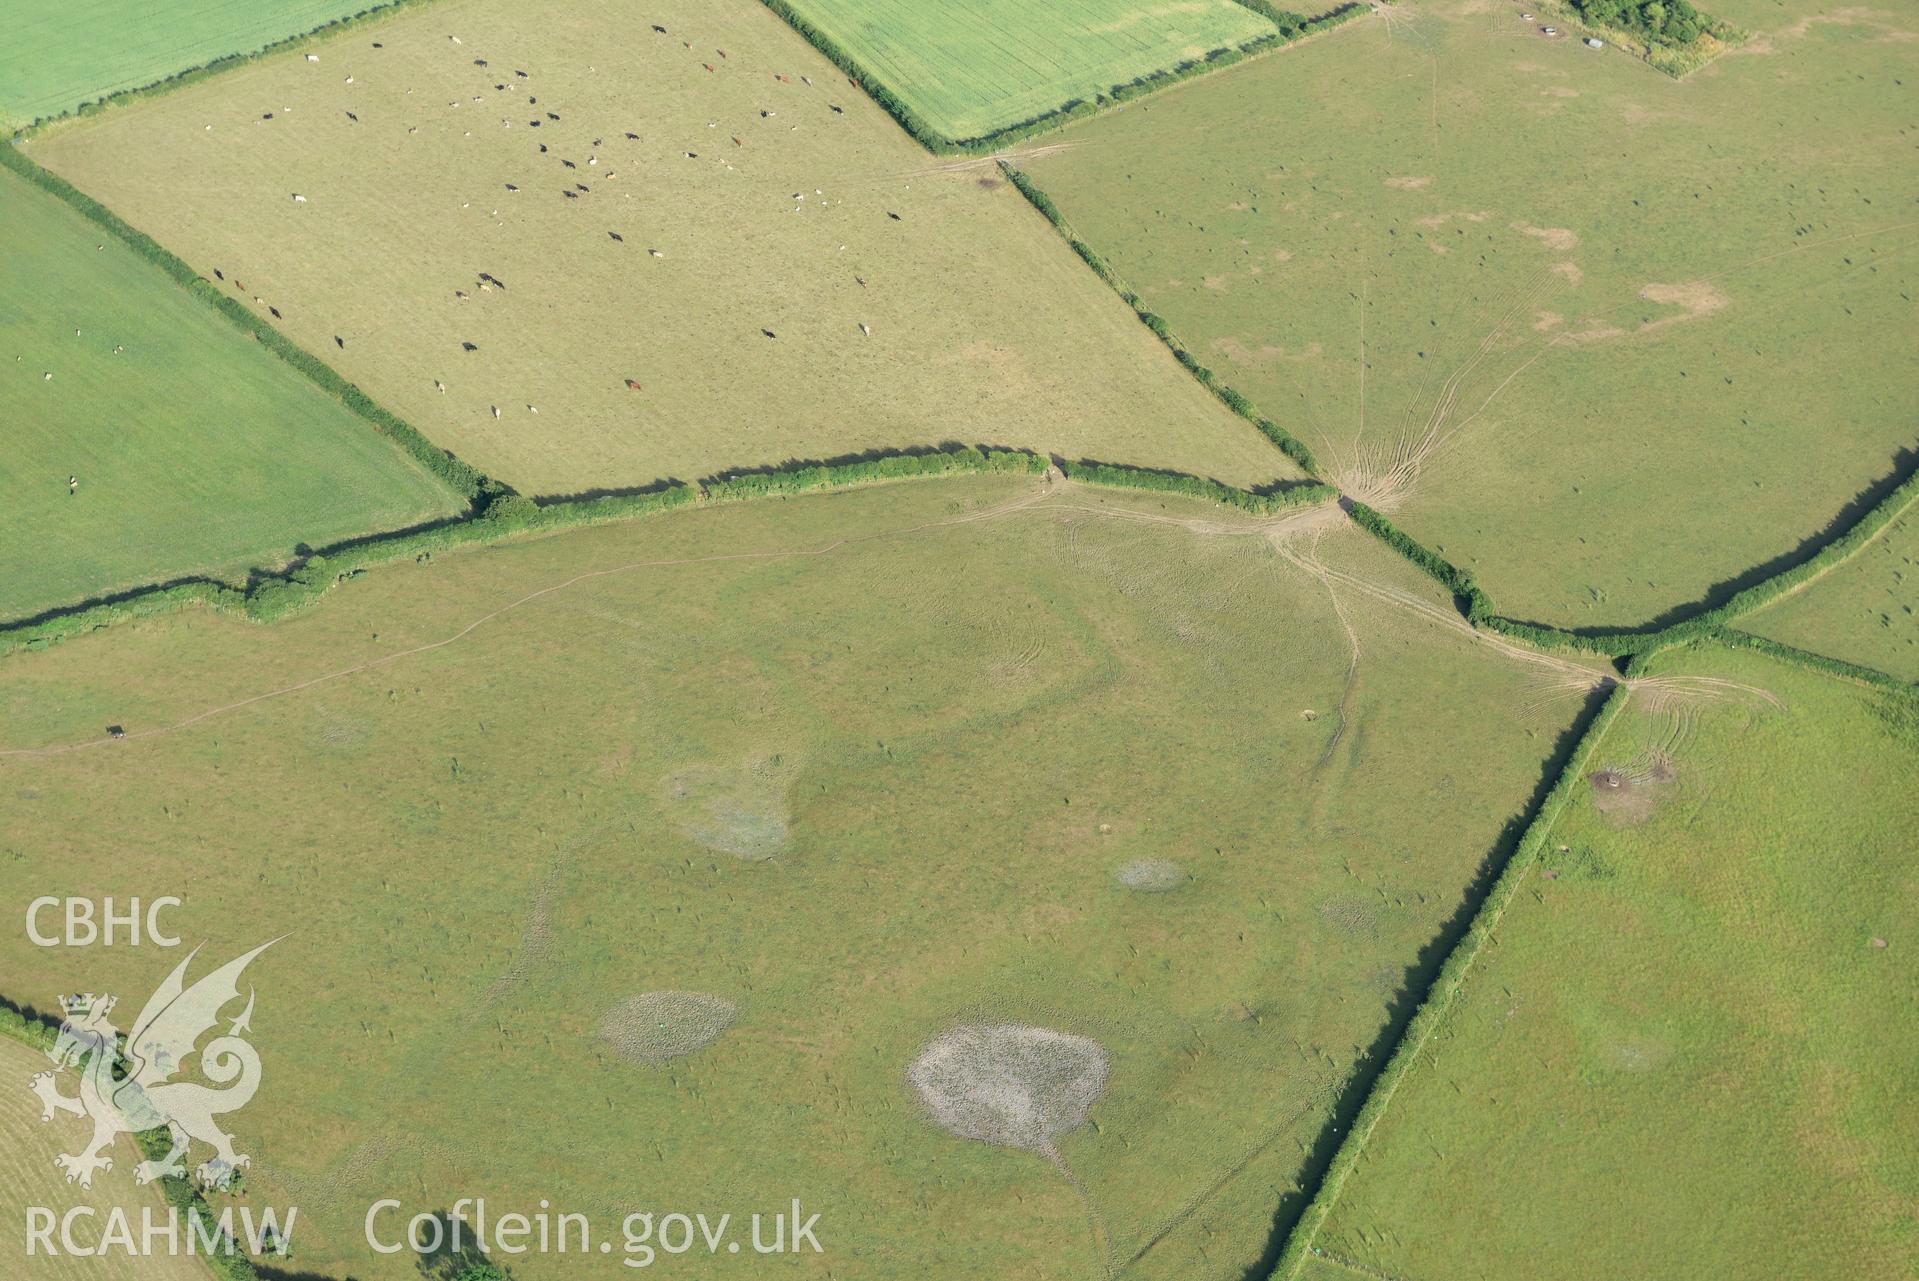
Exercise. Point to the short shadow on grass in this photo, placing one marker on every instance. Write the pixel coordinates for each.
(773, 469)
(1414, 990)
(255, 578)
(848, 460)
(30, 1014)
(660, 486)
(1905, 463)
(465, 1262)
(267, 1272)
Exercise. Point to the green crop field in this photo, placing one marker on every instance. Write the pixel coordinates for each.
(194, 451)
(622, 266)
(1199, 789)
(57, 56)
(28, 1177)
(973, 69)
(1690, 1049)
(1863, 611)
(1610, 340)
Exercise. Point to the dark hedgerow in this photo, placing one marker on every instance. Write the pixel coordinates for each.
(217, 66)
(1257, 504)
(182, 1194)
(932, 139)
(458, 476)
(274, 596)
(1283, 440)
(1708, 623)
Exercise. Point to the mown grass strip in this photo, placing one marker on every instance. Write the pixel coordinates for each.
(39, 1032)
(1443, 992)
(216, 66)
(923, 132)
(457, 475)
(1287, 443)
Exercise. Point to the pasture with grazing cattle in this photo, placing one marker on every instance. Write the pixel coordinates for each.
(974, 69)
(582, 262)
(1403, 771)
(145, 438)
(670, 881)
(1689, 1050)
(1610, 341)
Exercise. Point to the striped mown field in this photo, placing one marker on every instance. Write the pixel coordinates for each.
(57, 56)
(973, 69)
(189, 448)
(28, 1178)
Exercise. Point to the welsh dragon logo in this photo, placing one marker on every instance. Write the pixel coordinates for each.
(125, 1091)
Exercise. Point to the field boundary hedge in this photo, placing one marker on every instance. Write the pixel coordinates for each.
(1443, 993)
(1287, 443)
(1260, 502)
(1839, 667)
(225, 62)
(462, 479)
(1707, 623)
(39, 1034)
(1071, 109)
(269, 597)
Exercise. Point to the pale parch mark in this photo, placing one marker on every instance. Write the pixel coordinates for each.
(1153, 875)
(1017, 1087)
(654, 1027)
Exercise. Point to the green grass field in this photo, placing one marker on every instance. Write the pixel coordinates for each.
(856, 804)
(195, 451)
(28, 1177)
(58, 56)
(1862, 611)
(822, 286)
(1690, 1049)
(971, 70)
(1610, 340)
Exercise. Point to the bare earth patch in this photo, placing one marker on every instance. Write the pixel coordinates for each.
(1628, 798)
(1433, 222)
(1557, 239)
(1408, 184)
(1698, 298)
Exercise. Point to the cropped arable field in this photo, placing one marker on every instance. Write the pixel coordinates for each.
(189, 449)
(57, 56)
(650, 892)
(970, 70)
(586, 254)
(1865, 611)
(1690, 1050)
(1613, 342)
(28, 1177)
